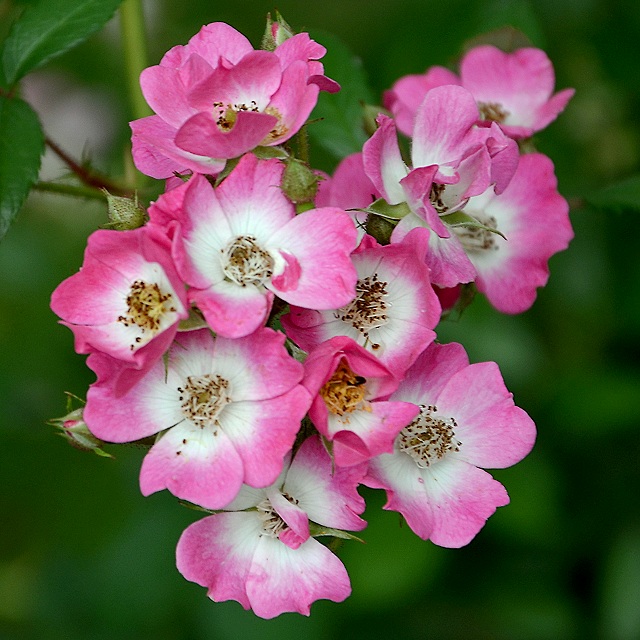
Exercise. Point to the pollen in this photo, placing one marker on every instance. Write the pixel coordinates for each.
(272, 524)
(435, 197)
(492, 112)
(345, 391)
(245, 262)
(227, 114)
(147, 304)
(279, 131)
(203, 398)
(368, 310)
(477, 239)
(429, 437)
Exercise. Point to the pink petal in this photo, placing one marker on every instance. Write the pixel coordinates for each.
(443, 127)
(263, 432)
(493, 431)
(430, 373)
(409, 91)
(155, 152)
(383, 162)
(216, 552)
(321, 240)
(166, 89)
(293, 102)
(194, 464)
(283, 579)
(231, 310)
(214, 41)
(202, 136)
(329, 496)
(448, 503)
(295, 518)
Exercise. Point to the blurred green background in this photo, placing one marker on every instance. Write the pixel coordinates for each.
(84, 555)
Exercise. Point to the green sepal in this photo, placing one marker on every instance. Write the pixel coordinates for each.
(316, 531)
(266, 153)
(195, 320)
(393, 211)
(461, 219)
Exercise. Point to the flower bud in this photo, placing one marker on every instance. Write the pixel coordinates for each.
(276, 32)
(125, 213)
(299, 182)
(75, 431)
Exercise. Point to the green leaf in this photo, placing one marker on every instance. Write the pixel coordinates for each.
(21, 145)
(622, 196)
(340, 130)
(48, 28)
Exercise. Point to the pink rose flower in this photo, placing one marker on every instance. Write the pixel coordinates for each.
(265, 558)
(229, 411)
(467, 420)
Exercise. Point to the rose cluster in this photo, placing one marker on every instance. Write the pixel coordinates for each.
(281, 352)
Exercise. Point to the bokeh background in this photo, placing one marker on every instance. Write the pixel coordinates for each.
(84, 555)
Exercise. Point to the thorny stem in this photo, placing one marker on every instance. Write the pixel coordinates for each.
(86, 176)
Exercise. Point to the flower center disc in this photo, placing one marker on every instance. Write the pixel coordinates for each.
(146, 306)
(428, 438)
(345, 391)
(492, 112)
(245, 262)
(203, 398)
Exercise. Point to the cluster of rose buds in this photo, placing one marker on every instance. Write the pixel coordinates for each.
(279, 355)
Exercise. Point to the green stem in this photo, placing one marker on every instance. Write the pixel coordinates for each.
(135, 53)
(70, 190)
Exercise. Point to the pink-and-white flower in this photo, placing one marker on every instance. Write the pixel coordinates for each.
(265, 558)
(467, 422)
(228, 411)
(241, 243)
(395, 309)
(534, 220)
(514, 90)
(349, 386)
(452, 158)
(217, 98)
(127, 299)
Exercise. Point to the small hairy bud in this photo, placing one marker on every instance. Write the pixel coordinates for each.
(299, 182)
(125, 213)
(276, 32)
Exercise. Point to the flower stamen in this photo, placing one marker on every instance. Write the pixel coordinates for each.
(245, 262)
(147, 304)
(203, 398)
(368, 310)
(429, 437)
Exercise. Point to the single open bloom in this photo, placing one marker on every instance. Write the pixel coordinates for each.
(229, 411)
(349, 386)
(467, 420)
(265, 557)
(241, 243)
(395, 309)
(514, 90)
(533, 219)
(217, 98)
(127, 299)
